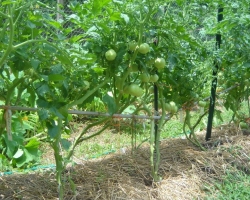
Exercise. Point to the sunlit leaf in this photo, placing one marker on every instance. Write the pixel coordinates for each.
(18, 154)
(33, 143)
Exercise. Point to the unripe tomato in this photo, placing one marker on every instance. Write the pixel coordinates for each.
(168, 107)
(202, 103)
(132, 45)
(154, 78)
(135, 90)
(144, 48)
(110, 55)
(160, 63)
(172, 103)
(144, 77)
(174, 109)
(220, 74)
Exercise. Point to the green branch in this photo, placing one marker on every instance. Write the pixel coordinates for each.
(93, 135)
(30, 42)
(79, 137)
(88, 94)
(4, 15)
(11, 38)
(59, 160)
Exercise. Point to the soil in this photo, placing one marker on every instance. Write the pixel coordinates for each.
(186, 172)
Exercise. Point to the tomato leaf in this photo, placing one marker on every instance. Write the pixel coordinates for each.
(53, 129)
(65, 144)
(35, 63)
(43, 114)
(115, 16)
(56, 112)
(18, 154)
(110, 103)
(42, 103)
(56, 77)
(29, 154)
(33, 143)
(98, 5)
(11, 146)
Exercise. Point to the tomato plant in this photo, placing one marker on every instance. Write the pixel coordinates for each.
(50, 67)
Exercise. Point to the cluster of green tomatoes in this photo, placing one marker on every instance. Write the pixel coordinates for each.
(134, 89)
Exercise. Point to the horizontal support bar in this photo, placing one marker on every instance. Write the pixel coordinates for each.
(79, 112)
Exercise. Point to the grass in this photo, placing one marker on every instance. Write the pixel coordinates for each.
(235, 186)
(108, 142)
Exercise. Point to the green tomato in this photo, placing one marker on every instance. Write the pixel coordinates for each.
(135, 90)
(132, 45)
(172, 103)
(174, 109)
(154, 78)
(160, 63)
(202, 103)
(144, 48)
(168, 107)
(144, 77)
(220, 74)
(110, 55)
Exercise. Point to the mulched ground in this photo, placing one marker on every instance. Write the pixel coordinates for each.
(185, 170)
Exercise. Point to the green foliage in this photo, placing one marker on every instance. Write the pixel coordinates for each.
(19, 152)
(234, 186)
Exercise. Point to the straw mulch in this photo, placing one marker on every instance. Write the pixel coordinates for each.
(185, 170)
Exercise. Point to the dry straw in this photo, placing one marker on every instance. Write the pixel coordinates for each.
(184, 169)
